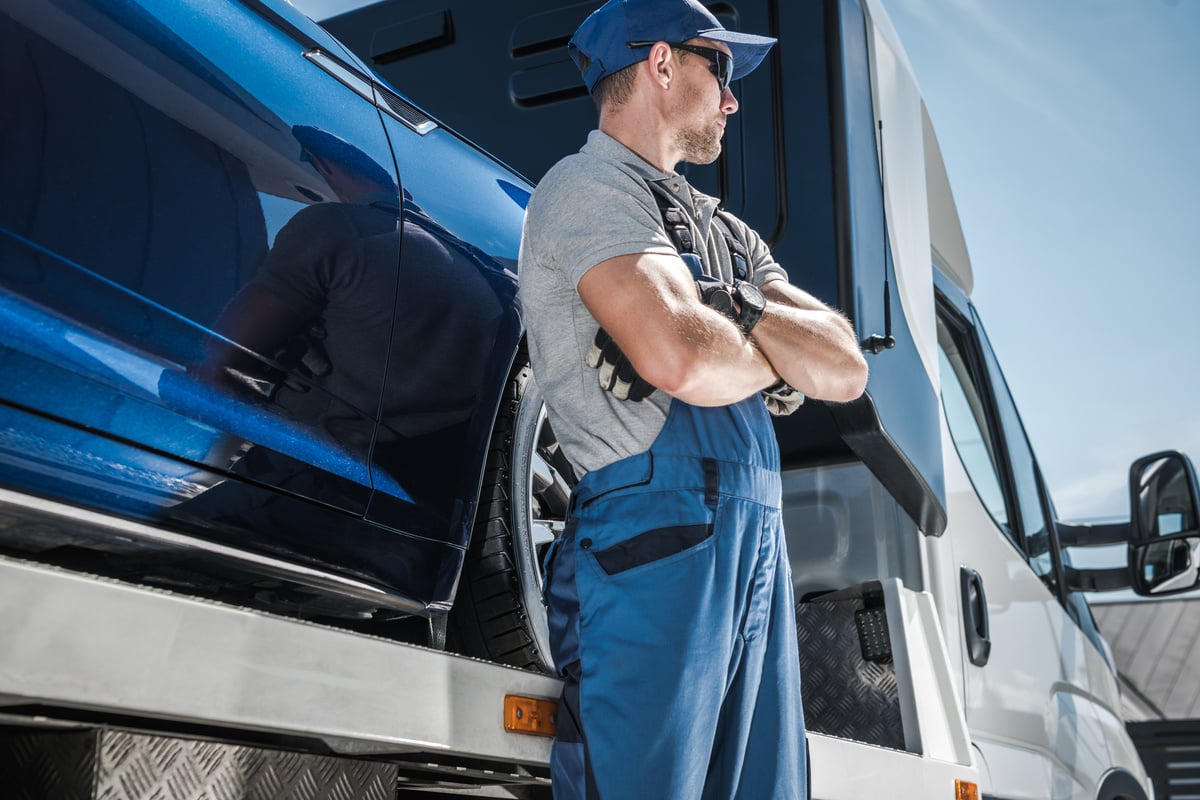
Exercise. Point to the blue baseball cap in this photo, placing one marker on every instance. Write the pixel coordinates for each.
(604, 37)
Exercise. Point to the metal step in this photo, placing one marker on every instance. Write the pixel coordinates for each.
(846, 694)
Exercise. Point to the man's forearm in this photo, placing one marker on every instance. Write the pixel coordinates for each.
(715, 364)
(810, 345)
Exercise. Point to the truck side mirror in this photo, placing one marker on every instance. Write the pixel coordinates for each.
(1164, 537)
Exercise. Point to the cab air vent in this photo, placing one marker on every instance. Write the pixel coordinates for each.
(545, 84)
(549, 30)
(412, 37)
(553, 78)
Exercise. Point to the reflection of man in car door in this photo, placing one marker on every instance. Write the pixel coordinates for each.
(322, 304)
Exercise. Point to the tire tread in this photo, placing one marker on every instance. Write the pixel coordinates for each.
(488, 619)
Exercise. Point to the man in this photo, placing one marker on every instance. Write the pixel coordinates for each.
(669, 593)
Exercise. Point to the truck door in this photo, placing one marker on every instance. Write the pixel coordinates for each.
(1026, 709)
(1086, 702)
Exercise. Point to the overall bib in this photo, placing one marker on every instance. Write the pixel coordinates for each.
(672, 621)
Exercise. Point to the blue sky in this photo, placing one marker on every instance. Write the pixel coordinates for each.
(1069, 130)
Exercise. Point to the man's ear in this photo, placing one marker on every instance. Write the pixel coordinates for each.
(661, 64)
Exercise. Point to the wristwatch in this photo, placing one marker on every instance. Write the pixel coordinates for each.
(718, 296)
(751, 303)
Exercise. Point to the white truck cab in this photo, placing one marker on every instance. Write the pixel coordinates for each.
(1030, 671)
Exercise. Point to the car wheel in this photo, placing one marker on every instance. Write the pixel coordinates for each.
(498, 612)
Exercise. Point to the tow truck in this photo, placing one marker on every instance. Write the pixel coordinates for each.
(947, 648)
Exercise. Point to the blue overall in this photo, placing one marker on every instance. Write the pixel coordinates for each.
(672, 621)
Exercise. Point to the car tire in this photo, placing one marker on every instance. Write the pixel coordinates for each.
(498, 612)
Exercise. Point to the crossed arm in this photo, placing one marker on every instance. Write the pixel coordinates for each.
(649, 305)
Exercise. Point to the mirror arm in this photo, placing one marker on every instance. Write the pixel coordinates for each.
(1073, 535)
(1097, 580)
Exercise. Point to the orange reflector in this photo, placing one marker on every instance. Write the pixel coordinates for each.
(529, 715)
(965, 790)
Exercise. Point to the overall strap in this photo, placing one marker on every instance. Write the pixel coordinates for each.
(738, 253)
(680, 230)
(676, 223)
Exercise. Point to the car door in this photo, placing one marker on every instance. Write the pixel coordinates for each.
(456, 332)
(200, 255)
(1020, 703)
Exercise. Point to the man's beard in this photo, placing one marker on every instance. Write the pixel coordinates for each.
(700, 145)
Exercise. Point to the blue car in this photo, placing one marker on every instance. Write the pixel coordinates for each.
(259, 336)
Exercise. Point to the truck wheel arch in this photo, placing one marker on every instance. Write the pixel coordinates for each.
(1120, 785)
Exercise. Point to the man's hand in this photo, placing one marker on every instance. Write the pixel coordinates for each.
(617, 375)
(782, 399)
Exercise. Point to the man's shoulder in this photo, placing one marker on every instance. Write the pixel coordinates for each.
(585, 172)
(319, 229)
(582, 188)
(732, 220)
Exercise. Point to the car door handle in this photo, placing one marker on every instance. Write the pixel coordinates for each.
(975, 617)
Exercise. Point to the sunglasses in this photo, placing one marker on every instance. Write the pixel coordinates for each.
(720, 63)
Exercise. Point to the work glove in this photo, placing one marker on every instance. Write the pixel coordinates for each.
(305, 357)
(782, 399)
(617, 375)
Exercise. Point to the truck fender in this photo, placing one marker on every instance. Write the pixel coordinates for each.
(1120, 785)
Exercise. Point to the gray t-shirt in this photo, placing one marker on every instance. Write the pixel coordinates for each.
(590, 207)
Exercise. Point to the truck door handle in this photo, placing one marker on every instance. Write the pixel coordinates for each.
(975, 617)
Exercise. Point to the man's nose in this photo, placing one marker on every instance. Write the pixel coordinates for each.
(729, 103)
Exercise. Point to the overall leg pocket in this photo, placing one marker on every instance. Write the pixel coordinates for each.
(653, 545)
(641, 531)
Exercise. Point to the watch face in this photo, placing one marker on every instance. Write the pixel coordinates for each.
(722, 301)
(751, 295)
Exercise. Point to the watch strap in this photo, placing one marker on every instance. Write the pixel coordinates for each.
(749, 311)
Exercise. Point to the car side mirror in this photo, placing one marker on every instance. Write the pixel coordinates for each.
(1164, 536)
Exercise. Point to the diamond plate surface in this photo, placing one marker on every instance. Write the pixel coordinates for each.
(844, 695)
(55, 765)
(138, 767)
(65, 766)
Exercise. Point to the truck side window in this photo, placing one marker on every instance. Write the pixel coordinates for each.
(969, 423)
(1038, 542)
(990, 441)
